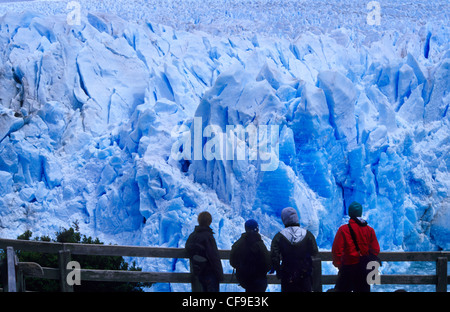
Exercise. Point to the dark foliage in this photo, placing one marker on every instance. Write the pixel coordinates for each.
(72, 235)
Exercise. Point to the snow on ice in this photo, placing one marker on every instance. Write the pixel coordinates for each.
(90, 115)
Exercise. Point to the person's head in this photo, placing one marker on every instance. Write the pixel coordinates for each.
(251, 226)
(355, 210)
(204, 218)
(289, 216)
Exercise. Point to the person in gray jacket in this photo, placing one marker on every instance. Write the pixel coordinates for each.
(294, 247)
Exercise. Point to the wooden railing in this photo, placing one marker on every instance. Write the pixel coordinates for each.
(15, 271)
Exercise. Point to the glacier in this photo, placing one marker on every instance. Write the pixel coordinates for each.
(90, 115)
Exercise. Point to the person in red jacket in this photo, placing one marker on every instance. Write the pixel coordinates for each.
(346, 257)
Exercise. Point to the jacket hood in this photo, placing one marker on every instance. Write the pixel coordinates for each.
(294, 234)
(360, 221)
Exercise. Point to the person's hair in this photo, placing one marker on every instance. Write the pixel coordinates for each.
(204, 218)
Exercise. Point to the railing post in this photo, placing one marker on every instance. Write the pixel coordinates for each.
(317, 275)
(20, 280)
(64, 258)
(10, 281)
(441, 274)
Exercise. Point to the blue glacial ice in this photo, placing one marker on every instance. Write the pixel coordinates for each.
(90, 113)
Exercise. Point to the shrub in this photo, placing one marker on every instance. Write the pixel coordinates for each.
(72, 235)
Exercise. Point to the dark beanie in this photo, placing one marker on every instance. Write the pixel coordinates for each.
(355, 210)
(289, 216)
(251, 226)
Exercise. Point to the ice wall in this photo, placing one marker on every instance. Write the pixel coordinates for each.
(90, 114)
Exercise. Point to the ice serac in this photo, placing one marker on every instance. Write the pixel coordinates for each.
(341, 96)
(94, 116)
(99, 64)
(437, 107)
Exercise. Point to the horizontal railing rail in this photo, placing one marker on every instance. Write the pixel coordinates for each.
(65, 250)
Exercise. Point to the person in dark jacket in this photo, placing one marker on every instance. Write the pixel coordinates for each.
(251, 259)
(206, 267)
(294, 247)
(346, 257)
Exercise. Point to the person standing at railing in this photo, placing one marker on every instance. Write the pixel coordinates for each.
(251, 259)
(206, 267)
(294, 247)
(352, 242)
